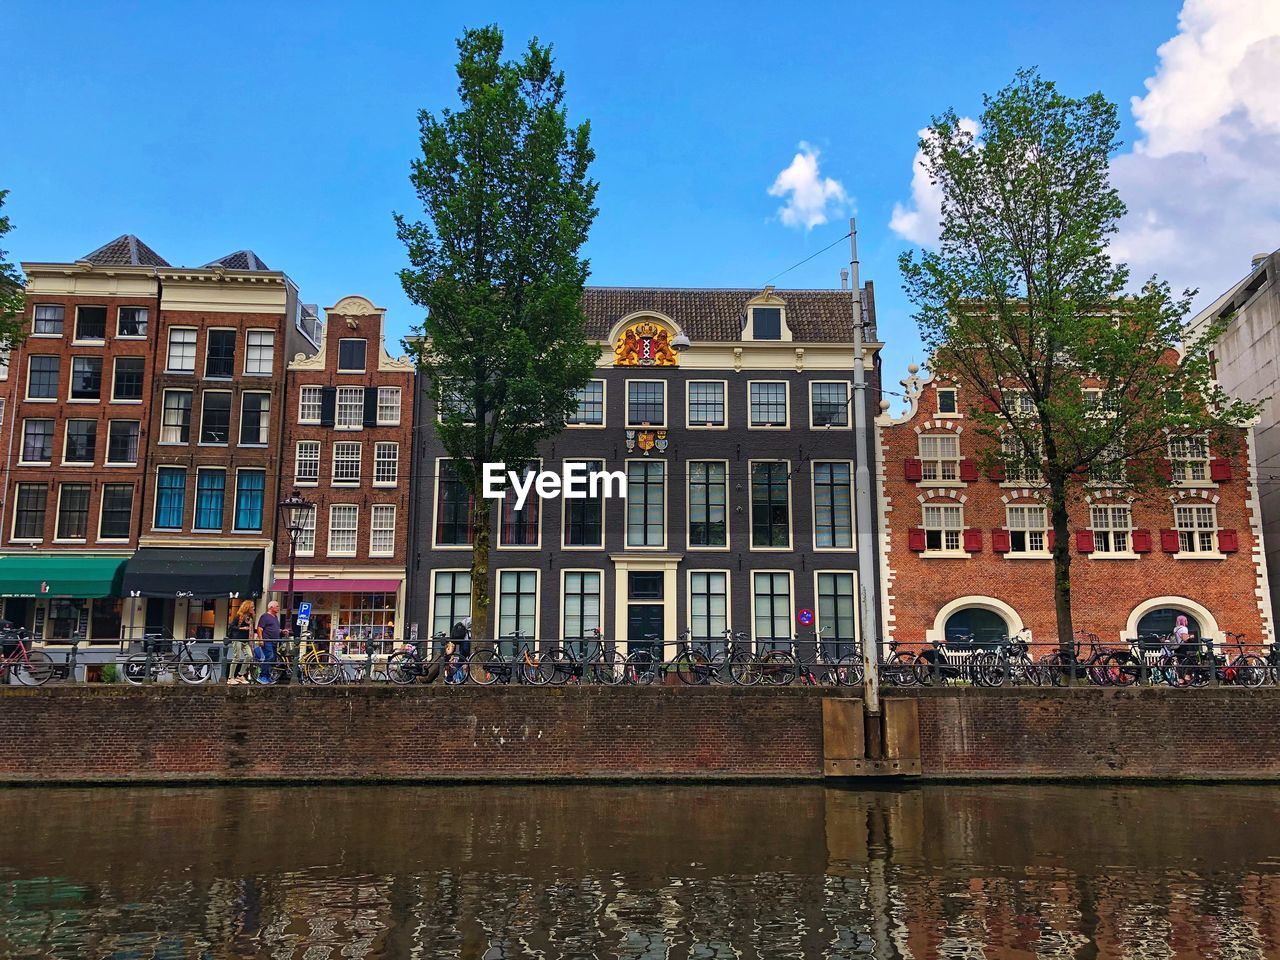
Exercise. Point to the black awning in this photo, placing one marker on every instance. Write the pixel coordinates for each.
(205, 573)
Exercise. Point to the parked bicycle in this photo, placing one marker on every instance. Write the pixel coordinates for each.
(596, 664)
(526, 664)
(32, 667)
(179, 658)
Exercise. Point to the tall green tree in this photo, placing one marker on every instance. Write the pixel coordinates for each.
(1022, 302)
(12, 298)
(503, 181)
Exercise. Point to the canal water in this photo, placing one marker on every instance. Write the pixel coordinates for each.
(647, 871)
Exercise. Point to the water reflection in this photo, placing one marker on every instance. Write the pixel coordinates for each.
(642, 872)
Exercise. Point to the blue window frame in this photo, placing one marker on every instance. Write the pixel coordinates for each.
(171, 498)
(250, 485)
(211, 487)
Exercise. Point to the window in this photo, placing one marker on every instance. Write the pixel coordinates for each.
(127, 383)
(251, 488)
(1021, 458)
(453, 507)
(351, 356)
(646, 403)
(86, 378)
(91, 323)
(581, 604)
(255, 419)
(837, 614)
(73, 512)
(131, 322)
(708, 605)
(770, 505)
(1111, 527)
(583, 518)
(519, 528)
(1189, 457)
(306, 464)
(343, 522)
(182, 350)
(1196, 526)
(350, 408)
(82, 441)
(307, 533)
(590, 406)
(832, 505)
(382, 535)
(210, 489)
(122, 441)
(171, 498)
(947, 401)
(28, 511)
(175, 423)
(829, 404)
(1027, 529)
(451, 590)
(42, 378)
(1018, 403)
(386, 464)
(766, 323)
(309, 399)
(708, 502)
(1101, 402)
(259, 352)
(220, 354)
(518, 603)
(388, 406)
(454, 404)
(47, 320)
(1109, 467)
(706, 403)
(768, 404)
(940, 457)
(646, 503)
(37, 441)
(771, 598)
(943, 527)
(117, 511)
(346, 462)
(215, 417)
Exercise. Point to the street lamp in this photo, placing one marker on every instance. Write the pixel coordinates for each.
(296, 507)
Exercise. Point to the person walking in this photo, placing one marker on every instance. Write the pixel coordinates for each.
(241, 654)
(269, 637)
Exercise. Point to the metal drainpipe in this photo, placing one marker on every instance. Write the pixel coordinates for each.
(862, 497)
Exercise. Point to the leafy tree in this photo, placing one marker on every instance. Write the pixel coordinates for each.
(12, 298)
(1023, 303)
(508, 202)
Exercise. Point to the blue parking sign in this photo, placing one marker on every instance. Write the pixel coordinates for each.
(304, 610)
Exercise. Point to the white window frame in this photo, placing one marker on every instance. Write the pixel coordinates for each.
(626, 413)
(359, 462)
(35, 307)
(132, 336)
(133, 505)
(688, 405)
(338, 423)
(75, 331)
(338, 357)
(389, 421)
(106, 451)
(66, 440)
(190, 416)
(1025, 511)
(945, 518)
(231, 419)
(26, 390)
(53, 435)
(1102, 517)
(1022, 473)
(604, 408)
(564, 579)
(71, 377)
(536, 636)
(13, 514)
(813, 494)
(374, 530)
(115, 375)
(1185, 461)
(848, 405)
(306, 545)
(751, 507)
(431, 609)
(688, 502)
(304, 402)
(249, 352)
(666, 507)
(57, 512)
(786, 405)
(298, 460)
(593, 464)
(330, 550)
(378, 461)
(945, 468)
(728, 596)
(1194, 535)
(208, 342)
(955, 402)
(264, 423)
(194, 346)
(791, 598)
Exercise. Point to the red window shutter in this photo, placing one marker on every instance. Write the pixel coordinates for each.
(915, 539)
(1084, 541)
(1132, 468)
(1048, 540)
(1169, 541)
(1219, 469)
(996, 473)
(1164, 469)
(968, 472)
(999, 541)
(990, 405)
(911, 469)
(973, 540)
(1141, 540)
(1227, 542)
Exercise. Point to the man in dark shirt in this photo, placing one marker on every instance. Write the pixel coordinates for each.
(269, 634)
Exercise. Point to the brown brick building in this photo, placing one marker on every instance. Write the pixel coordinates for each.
(349, 412)
(967, 553)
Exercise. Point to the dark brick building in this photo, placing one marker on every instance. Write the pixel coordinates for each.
(738, 456)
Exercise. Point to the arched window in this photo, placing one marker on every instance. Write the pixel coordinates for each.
(1162, 620)
(978, 625)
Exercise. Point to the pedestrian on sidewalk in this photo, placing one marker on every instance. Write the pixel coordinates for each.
(269, 637)
(241, 654)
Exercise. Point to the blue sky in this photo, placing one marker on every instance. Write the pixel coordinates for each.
(288, 128)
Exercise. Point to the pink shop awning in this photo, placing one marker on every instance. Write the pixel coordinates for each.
(304, 585)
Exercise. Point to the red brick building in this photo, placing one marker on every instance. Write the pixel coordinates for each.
(349, 450)
(966, 553)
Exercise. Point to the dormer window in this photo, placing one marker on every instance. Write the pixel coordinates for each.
(947, 400)
(766, 323)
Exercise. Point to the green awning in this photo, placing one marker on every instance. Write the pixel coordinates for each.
(42, 575)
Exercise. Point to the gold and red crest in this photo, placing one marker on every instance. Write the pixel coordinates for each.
(644, 344)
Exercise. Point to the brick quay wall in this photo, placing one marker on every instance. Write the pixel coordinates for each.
(79, 734)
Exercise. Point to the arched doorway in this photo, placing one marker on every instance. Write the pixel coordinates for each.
(1156, 615)
(1161, 621)
(977, 625)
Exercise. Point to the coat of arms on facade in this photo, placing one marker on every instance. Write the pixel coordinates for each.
(647, 440)
(644, 344)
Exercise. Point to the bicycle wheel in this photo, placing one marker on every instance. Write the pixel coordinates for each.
(1251, 670)
(534, 669)
(36, 669)
(744, 669)
(486, 667)
(693, 668)
(992, 669)
(848, 671)
(1121, 669)
(321, 667)
(557, 666)
(640, 668)
(402, 669)
(135, 669)
(720, 670)
(778, 668)
(194, 669)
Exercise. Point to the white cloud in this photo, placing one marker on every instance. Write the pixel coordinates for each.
(919, 221)
(811, 199)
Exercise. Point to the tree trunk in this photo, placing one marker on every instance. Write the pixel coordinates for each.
(1061, 569)
(481, 591)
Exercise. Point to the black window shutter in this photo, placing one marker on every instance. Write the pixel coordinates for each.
(370, 406)
(328, 405)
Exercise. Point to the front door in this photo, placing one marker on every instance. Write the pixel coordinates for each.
(644, 627)
(159, 620)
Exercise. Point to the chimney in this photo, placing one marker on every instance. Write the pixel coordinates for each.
(844, 278)
(1257, 260)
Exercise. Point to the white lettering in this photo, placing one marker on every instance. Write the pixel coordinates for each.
(577, 483)
(522, 489)
(493, 475)
(548, 484)
(575, 476)
(610, 478)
